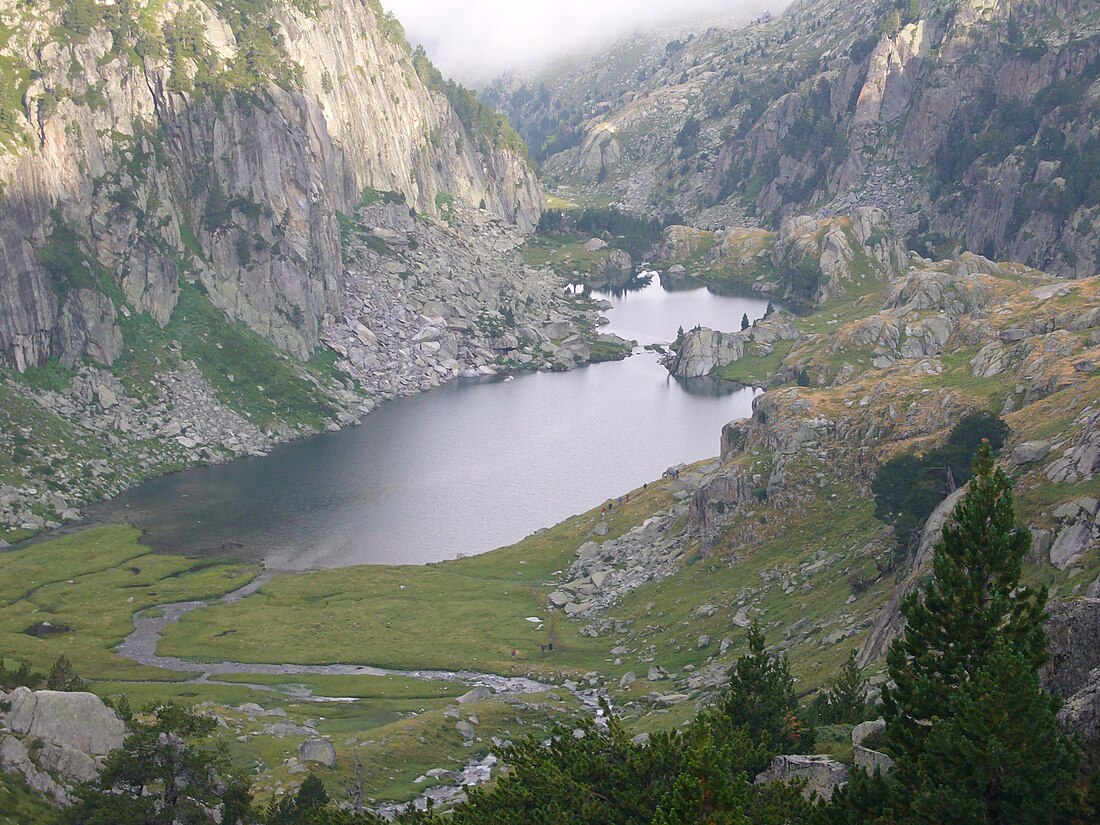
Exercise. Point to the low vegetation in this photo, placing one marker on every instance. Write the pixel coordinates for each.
(908, 488)
(993, 745)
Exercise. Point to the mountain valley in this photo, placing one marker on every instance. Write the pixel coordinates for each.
(226, 225)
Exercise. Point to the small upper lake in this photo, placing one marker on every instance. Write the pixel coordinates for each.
(471, 466)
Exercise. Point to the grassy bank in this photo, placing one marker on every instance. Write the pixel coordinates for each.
(92, 583)
(468, 613)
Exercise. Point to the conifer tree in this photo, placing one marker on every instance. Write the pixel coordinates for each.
(974, 734)
(761, 698)
(997, 756)
(845, 699)
(973, 599)
(745, 322)
(63, 677)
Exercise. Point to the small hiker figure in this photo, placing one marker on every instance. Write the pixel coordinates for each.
(551, 646)
(645, 486)
(515, 653)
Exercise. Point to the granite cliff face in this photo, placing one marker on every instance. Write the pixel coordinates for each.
(972, 124)
(188, 142)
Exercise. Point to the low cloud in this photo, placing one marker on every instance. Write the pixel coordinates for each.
(475, 40)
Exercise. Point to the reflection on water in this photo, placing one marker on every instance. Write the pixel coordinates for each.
(706, 387)
(463, 469)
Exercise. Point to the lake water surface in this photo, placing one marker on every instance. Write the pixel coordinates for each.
(471, 466)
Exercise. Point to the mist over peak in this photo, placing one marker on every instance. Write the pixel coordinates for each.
(477, 40)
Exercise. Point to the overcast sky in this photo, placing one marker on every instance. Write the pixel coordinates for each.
(475, 40)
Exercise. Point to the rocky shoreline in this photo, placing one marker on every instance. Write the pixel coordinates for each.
(423, 304)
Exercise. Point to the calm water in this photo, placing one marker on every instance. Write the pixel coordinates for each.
(466, 468)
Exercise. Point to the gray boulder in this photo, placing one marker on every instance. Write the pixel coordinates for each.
(1072, 541)
(1030, 451)
(318, 750)
(822, 774)
(478, 694)
(866, 758)
(465, 729)
(69, 764)
(77, 720)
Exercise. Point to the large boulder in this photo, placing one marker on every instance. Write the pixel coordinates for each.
(822, 774)
(868, 758)
(320, 751)
(75, 720)
(1030, 451)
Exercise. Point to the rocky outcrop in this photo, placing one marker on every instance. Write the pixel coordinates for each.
(57, 739)
(892, 76)
(819, 260)
(867, 758)
(718, 499)
(821, 774)
(704, 350)
(133, 172)
(1073, 672)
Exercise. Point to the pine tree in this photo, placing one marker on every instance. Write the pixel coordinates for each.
(974, 599)
(846, 697)
(975, 736)
(997, 756)
(761, 698)
(162, 775)
(745, 322)
(708, 789)
(63, 677)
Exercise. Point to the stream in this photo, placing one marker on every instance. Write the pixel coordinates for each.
(463, 469)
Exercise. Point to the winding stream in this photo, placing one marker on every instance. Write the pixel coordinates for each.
(141, 647)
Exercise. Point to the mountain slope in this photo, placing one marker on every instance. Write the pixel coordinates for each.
(148, 141)
(973, 123)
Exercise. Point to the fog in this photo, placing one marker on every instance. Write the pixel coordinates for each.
(476, 40)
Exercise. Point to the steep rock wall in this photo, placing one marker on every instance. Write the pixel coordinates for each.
(121, 158)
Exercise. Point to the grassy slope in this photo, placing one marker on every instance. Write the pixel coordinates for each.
(467, 613)
(564, 255)
(93, 582)
(479, 605)
(19, 805)
(247, 372)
